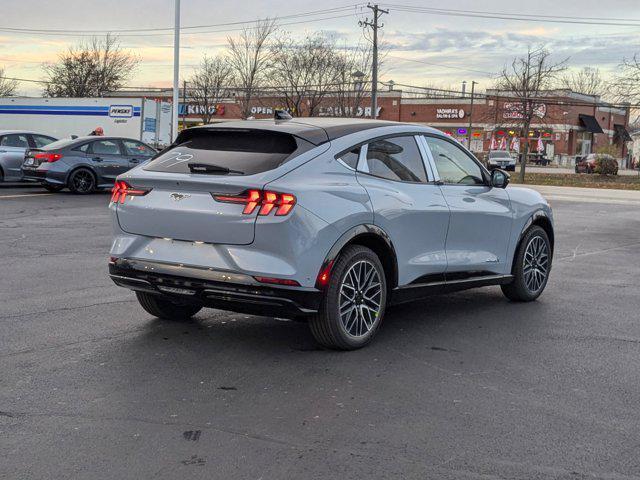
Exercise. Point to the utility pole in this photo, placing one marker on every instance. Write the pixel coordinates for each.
(184, 102)
(176, 71)
(473, 84)
(377, 13)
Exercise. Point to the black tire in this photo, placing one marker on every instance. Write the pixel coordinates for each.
(1, 176)
(525, 279)
(356, 328)
(577, 169)
(53, 188)
(82, 181)
(165, 309)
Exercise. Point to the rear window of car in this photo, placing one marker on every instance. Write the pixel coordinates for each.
(243, 152)
(59, 144)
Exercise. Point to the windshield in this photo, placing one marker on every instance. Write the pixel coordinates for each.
(499, 154)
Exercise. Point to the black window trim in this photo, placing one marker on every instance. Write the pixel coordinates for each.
(389, 135)
(486, 176)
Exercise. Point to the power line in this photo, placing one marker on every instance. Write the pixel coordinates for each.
(511, 16)
(441, 65)
(157, 33)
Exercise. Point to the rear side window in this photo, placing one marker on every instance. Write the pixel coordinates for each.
(350, 158)
(15, 141)
(242, 152)
(105, 147)
(133, 147)
(396, 159)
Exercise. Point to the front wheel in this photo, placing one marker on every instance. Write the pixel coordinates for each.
(531, 268)
(354, 302)
(160, 307)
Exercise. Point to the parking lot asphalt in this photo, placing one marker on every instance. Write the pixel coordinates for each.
(466, 385)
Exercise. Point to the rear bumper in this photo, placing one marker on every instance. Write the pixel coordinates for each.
(214, 288)
(43, 176)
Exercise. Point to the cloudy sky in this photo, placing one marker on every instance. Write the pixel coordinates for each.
(423, 48)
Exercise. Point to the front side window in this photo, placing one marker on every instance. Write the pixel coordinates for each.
(453, 164)
(133, 147)
(42, 140)
(105, 147)
(396, 158)
(15, 140)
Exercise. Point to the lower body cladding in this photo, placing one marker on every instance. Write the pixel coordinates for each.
(214, 288)
(47, 173)
(242, 293)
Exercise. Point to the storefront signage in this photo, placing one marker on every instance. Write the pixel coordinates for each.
(456, 113)
(513, 110)
(191, 109)
(348, 112)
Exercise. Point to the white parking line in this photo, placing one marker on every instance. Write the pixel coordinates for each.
(26, 195)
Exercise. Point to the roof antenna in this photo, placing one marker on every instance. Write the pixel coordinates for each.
(281, 115)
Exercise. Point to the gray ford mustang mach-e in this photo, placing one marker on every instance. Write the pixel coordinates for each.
(327, 219)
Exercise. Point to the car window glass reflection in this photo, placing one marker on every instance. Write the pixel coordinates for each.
(453, 164)
(396, 159)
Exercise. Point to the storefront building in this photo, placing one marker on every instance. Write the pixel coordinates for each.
(564, 125)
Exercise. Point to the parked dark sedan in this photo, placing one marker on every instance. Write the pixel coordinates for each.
(84, 164)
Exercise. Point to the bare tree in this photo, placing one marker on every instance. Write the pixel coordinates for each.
(249, 56)
(303, 73)
(8, 86)
(587, 81)
(352, 83)
(209, 85)
(626, 85)
(524, 81)
(90, 69)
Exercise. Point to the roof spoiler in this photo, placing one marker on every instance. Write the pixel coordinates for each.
(281, 115)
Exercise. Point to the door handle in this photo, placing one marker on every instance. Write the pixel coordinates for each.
(97, 159)
(3, 151)
(134, 160)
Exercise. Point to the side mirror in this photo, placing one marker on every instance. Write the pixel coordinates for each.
(499, 178)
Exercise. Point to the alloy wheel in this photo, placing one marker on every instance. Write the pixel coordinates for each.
(82, 181)
(536, 264)
(360, 298)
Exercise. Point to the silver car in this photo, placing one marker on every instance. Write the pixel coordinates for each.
(330, 220)
(501, 159)
(13, 145)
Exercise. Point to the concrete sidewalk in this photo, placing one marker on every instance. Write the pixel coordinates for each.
(587, 195)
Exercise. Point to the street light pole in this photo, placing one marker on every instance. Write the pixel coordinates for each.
(374, 25)
(473, 84)
(176, 71)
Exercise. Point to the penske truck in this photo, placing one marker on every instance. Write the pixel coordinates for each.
(148, 120)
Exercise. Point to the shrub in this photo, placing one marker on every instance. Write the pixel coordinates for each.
(606, 165)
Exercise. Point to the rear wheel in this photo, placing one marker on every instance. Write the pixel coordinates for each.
(532, 265)
(354, 303)
(163, 308)
(82, 181)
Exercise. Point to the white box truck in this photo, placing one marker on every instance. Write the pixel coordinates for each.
(144, 119)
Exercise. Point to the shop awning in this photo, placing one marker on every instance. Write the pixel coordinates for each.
(621, 133)
(590, 123)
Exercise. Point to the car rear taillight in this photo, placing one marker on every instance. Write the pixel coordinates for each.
(47, 157)
(268, 201)
(121, 189)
